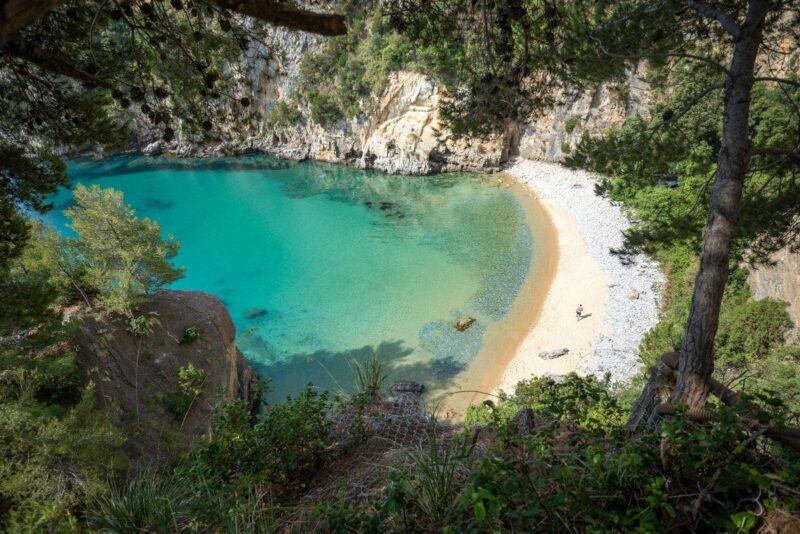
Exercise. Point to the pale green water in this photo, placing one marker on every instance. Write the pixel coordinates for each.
(319, 264)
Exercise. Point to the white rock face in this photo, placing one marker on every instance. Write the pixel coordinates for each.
(780, 281)
(403, 134)
(555, 133)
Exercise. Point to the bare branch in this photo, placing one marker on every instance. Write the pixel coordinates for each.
(727, 22)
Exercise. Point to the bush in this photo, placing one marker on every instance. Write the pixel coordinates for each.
(275, 448)
(190, 386)
(284, 114)
(751, 331)
(582, 471)
(572, 122)
(324, 109)
(190, 334)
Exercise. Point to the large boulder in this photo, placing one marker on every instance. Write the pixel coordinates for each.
(138, 376)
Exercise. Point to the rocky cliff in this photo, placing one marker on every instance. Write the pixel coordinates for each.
(138, 377)
(400, 130)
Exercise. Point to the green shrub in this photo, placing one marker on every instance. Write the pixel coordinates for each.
(324, 109)
(580, 470)
(572, 122)
(289, 439)
(145, 504)
(190, 386)
(284, 114)
(190, 334)
(751, 331)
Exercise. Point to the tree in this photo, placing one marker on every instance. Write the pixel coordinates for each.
(740, 45)
(122, 257)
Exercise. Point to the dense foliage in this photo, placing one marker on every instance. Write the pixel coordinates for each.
(576, 468)
(345, 76)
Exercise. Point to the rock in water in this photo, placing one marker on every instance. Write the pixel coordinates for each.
(464, 323)
(634, 295)
(255, 313)
(553, 354)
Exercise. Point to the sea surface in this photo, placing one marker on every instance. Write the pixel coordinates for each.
(320, 264)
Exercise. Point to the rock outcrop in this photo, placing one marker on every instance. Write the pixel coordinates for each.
(138, 376)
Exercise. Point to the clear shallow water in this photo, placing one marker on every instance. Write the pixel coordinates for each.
(319, 264)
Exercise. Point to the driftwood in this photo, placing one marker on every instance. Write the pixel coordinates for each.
(652, 404)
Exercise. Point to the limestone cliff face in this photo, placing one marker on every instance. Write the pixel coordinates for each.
(136, 376)
(402, 134)
(554, 134)
(780, 281)
(401, 131)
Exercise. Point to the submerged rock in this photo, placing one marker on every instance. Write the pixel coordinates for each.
(255, 313)
(553, 354)
(464, 323)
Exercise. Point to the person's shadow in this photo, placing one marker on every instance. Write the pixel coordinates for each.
(585, 316)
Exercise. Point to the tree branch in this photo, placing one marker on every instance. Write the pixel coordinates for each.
(717, 65)
(286, 15)
(784, 81)
(727, 22)
(16, 14)
(52, 63)
(775, 151)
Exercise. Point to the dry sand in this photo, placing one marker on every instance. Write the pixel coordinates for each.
(577, 278)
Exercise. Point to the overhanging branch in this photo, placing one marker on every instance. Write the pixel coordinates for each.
(727, 22)
(286, 15)
(54, 64)
(16, 14)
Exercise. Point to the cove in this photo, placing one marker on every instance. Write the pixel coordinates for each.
(321, 264)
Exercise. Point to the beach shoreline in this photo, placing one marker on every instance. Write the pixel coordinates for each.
(574, 232)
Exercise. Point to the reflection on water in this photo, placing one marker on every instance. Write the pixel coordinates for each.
(319, 264)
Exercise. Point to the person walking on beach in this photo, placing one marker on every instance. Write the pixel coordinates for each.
(579, 312)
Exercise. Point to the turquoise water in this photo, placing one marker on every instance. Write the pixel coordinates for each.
(320, 264)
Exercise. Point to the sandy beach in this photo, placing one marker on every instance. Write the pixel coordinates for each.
(574, 231)
(585, 227)
(576, 279)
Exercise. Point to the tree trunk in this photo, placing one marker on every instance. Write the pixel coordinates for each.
(697, 351)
